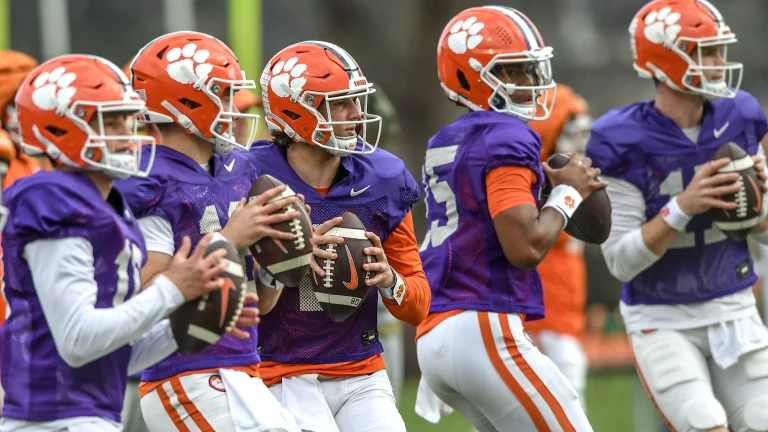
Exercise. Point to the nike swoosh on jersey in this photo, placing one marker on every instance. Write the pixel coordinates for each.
(229, 167)
(353, 192)
(720, 131)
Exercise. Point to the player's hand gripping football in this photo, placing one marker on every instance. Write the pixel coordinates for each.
(578, 174)
(706, 188)
(320, 237)
(250, 222)
(197, 274)
(384, 277)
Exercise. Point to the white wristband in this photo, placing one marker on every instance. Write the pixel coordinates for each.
(565, 199)
(397, 291)
(267, 279)
(674, 216)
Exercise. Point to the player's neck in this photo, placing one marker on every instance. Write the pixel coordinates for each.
(194, 147)
(102, 181)
(312, 164)
(684, 109)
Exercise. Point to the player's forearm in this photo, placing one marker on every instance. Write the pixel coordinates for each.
(658, 235)
(155, 345)
(415, 302)
(526, 235)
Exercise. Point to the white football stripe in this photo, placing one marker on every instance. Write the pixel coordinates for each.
(337, 299)
(290, 264)
(204, 335)
(288, 192)
(350, 233)
(738, 225)
(738, 165)
(234, 268)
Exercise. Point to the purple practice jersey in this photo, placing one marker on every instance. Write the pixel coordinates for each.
(39, 385)
(639, 145)
(195, 203)
(296, 330)
(462, 255)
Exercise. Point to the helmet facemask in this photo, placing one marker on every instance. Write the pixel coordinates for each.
(712, 90)
(536, 64)
(95, 152)
(324, 136)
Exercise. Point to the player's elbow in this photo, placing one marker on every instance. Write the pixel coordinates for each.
(524, 257)
(74, 358)
(617, 266)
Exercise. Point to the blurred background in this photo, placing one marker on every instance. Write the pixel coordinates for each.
(395, 42)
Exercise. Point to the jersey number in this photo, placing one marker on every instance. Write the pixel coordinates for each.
(210, 222)
(673, 186)
(128, 264)
(441, 192)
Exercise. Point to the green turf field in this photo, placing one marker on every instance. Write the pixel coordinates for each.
(609, 406)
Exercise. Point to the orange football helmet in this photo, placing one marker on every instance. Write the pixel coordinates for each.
(302, 80)
(14, 68)
(474, 49)
(190, 79)
(58, 100)
(665, 35)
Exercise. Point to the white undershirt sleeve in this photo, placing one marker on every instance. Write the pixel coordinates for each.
(63, 274)
(155, 345)
(158, 234)
(625, 251)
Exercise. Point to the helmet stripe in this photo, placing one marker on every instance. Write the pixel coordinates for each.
(526, 27)
(351, 66)
(713, 11)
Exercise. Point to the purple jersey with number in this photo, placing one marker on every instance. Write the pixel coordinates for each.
(639, 145)
(195, 203)
(39, 385)
(296, 330)
(462, 255)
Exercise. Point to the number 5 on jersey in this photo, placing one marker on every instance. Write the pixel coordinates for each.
(441, 192)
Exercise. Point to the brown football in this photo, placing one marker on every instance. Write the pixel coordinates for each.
(738, 223)
(199, 323)
(285, 260)
(591, 222)
(343, 288)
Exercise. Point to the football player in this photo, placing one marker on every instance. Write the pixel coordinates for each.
(563, 271)
(331, 375)
(73, 255)
(198, 185)
(699, 344)
(482, 176)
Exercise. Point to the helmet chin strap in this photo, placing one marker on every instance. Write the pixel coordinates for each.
(219, 146)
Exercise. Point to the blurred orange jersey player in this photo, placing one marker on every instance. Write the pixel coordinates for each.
(14, 164)
(563, 271)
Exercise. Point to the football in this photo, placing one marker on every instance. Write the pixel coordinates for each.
(737, 223)
(343, 288)
(200, 323)
(285, 260)
(591, 222)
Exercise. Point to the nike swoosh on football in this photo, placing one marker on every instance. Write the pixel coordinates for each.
(352, 270)
(720, 131)
(228, 284)
(353, 192)
(229, 167)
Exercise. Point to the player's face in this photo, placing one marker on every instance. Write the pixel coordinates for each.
(516, 74)
(345, 110)
(114, 124)
(711, 56)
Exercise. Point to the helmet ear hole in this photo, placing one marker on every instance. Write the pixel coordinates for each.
(292, 115)
(462, 80)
